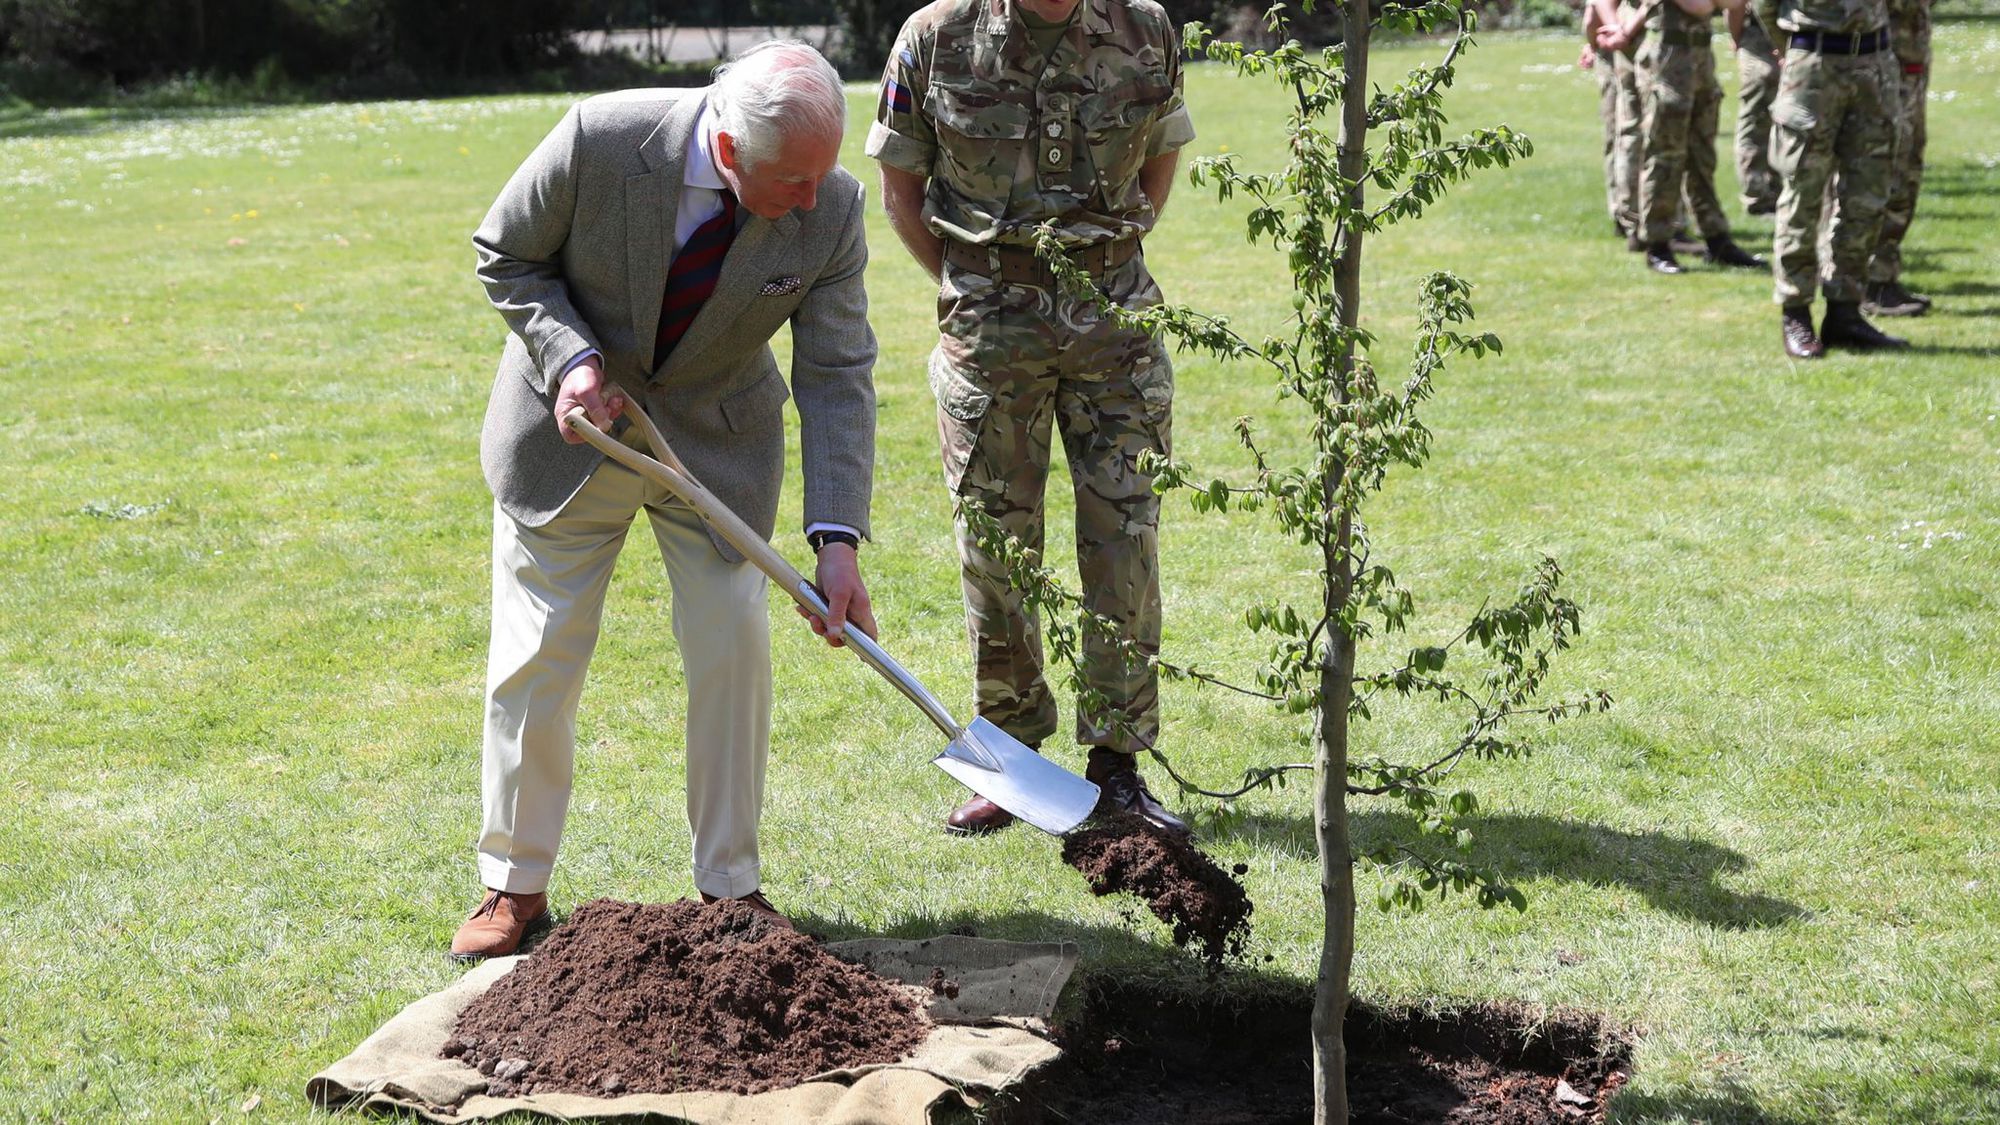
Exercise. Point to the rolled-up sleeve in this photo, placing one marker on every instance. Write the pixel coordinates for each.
(902, 137)
(1172, 127)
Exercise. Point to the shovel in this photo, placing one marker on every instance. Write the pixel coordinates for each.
(981, 756)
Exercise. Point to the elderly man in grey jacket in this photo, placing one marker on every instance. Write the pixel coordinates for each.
(643, 256)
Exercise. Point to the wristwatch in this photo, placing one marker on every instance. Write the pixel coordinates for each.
(825, 535)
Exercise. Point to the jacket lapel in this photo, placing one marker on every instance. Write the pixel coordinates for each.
(759, 247)
(652, 200)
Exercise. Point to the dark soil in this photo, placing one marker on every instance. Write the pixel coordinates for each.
(1124, 854)
(1135, 1057)
(630, 998)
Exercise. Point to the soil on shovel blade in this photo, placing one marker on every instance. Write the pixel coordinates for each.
(630, 998)
(1135, 1056)
(1206, 906)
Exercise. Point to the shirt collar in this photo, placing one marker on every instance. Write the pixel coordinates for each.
(700, 170)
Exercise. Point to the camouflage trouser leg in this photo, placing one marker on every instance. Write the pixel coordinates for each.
(1682, 103)
(1757, 87)
(1617, 196)
(1887, 263)
(1834, 113)
(1012, 362)
(1629, 157)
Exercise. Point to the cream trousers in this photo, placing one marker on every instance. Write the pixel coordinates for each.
(548, 601)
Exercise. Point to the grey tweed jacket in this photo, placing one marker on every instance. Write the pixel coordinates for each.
(574, 255)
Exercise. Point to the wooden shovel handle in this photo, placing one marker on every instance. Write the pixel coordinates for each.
(667, 469)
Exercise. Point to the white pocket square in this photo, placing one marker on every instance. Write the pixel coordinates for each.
(780, 287)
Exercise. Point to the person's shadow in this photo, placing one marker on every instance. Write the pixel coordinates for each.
(1676, 873)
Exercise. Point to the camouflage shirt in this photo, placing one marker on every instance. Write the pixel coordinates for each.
(1008, 141)
(1910, 30)
(1841, 17)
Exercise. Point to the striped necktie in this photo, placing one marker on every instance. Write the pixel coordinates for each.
(692, 276)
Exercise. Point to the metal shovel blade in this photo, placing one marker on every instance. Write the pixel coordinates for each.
(995, 765)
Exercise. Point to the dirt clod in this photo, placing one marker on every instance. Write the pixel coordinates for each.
(625, 997)
(1124, 854)
(941, 985)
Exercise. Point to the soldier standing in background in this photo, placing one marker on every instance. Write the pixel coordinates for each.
(1682, 105)
(1835, 115)
(1910, 36)
(995, 117)
(1757, 88)
(1621, 135)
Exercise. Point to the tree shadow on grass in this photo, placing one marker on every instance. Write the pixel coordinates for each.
(1917, 347)
(1959, 178)
(1675, 873)
(89, 122)
(1735, 1105)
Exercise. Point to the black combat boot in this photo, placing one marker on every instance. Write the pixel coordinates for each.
(1843, 327)
(1800, 343)
(1723, 251)
(1660, 258)
(1889, 298)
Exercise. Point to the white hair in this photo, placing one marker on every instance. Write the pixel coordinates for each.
(773, 90)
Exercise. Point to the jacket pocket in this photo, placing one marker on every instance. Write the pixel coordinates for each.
(752, 407)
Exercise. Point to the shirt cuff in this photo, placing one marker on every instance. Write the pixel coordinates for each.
(1171, 132)
(823, 525)
(572, 365)
(899, 151)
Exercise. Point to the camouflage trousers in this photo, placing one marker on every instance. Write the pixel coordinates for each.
(1756, 89)
(1621, 140)
(1628, 156)
(1682, 103)
(1886, 264)
(1012, 363)
(1835, 119)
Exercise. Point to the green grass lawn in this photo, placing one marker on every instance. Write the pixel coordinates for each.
(244, 626)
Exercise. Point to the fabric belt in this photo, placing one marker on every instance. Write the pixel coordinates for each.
(1914, 68)
(1018, 265)
(1829, 43)
(1681, 37)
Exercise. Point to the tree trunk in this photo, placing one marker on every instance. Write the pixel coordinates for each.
(1336, 856)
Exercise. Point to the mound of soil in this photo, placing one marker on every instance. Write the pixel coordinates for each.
(630, 998)
(1125, 854)
(1134, 1056)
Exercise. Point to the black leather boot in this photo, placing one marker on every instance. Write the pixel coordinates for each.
(1843, 327)
(1660, 258)
(1117, 776)
(1889, 298)
(1723, 251)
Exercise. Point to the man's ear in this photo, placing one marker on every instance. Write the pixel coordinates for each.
(727, 154)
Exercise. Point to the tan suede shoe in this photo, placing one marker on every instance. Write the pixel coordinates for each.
(499, 926)
(755, 900)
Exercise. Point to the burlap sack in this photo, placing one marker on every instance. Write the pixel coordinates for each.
(989, 1037)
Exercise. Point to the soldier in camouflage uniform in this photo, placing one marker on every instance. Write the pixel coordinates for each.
(995, 117)
(1910, 36)
(1682, 104)
(1621, 130)
(1756, 89)
(1837, 103)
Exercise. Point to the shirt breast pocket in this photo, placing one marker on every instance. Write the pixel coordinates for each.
(981, 135)
(1115, 125)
